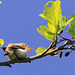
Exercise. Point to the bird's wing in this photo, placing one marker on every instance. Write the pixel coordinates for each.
(16, 47)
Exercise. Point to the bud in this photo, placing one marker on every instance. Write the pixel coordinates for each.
(61, 31)
(67, 53)
(60, 54)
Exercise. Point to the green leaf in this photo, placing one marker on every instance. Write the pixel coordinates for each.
(64, 22)
(55, 20)
(43, 30)
(52, 28)
(72, 27)
(73, 37)
(42, 15)
(40, 50)
(52, 14)
(1, 42)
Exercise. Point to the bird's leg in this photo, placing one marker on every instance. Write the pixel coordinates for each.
(24, 59)
(21, 58)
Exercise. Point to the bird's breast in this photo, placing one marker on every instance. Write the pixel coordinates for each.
(21, 53)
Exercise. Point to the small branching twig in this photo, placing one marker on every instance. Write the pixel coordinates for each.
(60, 41)
(47, 49)
(69, 48)
(64, 38)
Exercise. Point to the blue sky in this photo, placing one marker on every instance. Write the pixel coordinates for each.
(19, 21)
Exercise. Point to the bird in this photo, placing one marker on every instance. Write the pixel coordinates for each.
(16, 51)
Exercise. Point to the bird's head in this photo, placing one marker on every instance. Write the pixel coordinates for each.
(25, 46)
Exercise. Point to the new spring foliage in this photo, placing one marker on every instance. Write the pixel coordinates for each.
(56, 22)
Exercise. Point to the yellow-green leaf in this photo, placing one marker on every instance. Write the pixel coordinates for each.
(42, 15)
(64, 22)
(72, 27)
(40, 50)
(0, 2)
(1, 42)
(43, 30)
(52, 14)
(55, 20)
(51, 28)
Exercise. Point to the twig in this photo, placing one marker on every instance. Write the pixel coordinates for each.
(60, 41)
(64, 38)
(69, 48)
(47, 49)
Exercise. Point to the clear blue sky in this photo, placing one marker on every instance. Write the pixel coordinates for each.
(19, 21)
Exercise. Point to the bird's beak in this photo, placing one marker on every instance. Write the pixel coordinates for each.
(31, 48)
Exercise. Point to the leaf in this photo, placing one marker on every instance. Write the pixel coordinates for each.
(1, 42)
(64, 22)
(46, 32)
(0, 2)
(42, 15)
(40, 50)
(72, 27)
(55, 20)
(52, 14)
(73, 37)
(51, 28)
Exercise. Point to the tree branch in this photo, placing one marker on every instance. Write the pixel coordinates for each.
(47, 49)
(37, 56)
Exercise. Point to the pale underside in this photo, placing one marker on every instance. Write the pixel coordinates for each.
(19, 53)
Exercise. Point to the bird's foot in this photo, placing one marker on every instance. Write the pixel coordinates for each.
(21, 58)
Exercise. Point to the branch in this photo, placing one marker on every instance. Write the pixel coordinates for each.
(69, 48)
(47, 49)
(64, 38)
(36, 56)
